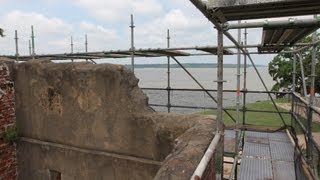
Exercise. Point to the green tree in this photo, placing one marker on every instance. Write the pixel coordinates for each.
(281, 69)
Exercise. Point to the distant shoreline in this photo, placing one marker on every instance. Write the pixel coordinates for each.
(189, 65)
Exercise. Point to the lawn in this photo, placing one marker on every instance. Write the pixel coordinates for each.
(260, 118)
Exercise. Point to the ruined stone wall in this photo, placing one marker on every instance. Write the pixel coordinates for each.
(8, 161)
(84, 106)
(86, 121)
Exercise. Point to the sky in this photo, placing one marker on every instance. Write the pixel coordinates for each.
(106, 23)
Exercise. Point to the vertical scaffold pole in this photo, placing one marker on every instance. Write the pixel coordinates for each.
(293, 89)
(86, 44)
(32, 43)
(244, 80)
(16, 43)
(303, 77)
(168, 73)
(220, 81)
(220, 92)
(312, 96)
(71, 44)
(30, 48)
(238, 93)
(132, 43)
(244, 109)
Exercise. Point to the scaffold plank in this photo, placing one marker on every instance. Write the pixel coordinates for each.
(267, 156)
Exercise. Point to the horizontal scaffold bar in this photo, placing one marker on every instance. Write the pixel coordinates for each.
(289, 23)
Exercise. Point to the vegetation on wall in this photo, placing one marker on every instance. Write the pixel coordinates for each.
(10, 135)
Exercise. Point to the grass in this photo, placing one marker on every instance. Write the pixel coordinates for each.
(260, 118)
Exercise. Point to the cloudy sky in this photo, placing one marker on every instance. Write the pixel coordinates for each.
(106, 22)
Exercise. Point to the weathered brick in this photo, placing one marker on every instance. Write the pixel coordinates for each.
(8, 161)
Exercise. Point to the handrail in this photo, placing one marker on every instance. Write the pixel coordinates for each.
(314, 108)
(198, 173)
(214, 108)
(300, 98)
(316, 145)
(213, 90)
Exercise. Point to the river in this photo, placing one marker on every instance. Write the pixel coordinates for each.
(157, 78)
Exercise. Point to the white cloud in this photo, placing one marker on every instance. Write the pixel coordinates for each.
(187, 25)
(109, 10)
(98, 30)
(52, 35)
(99, 37)
(185, 30)
(45, 28)
(17, 19)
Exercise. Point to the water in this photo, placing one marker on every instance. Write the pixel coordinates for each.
(157, 78)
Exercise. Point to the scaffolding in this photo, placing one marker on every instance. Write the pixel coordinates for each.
(277, 36)
(274, 34)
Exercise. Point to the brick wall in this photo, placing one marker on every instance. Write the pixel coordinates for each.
(8, 161)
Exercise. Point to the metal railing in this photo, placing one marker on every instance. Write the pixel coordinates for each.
(297, 120)
(305, 127)
(211, 164)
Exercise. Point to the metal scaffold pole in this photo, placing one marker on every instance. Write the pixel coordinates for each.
(132, 43)
(32, 43)
(202, 7)
(202, 87)
(238, 93)
(30, 48)
(16, 43)
(293, 89)
(312, 97)
(220, 81)
(71, 44)
(86, 44)
(168, 73)
(71, 47)
(244, 80)
(220, 92)
(303, 77)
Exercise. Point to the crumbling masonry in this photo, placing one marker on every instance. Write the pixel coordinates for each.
(86, 121)
(8, 160)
